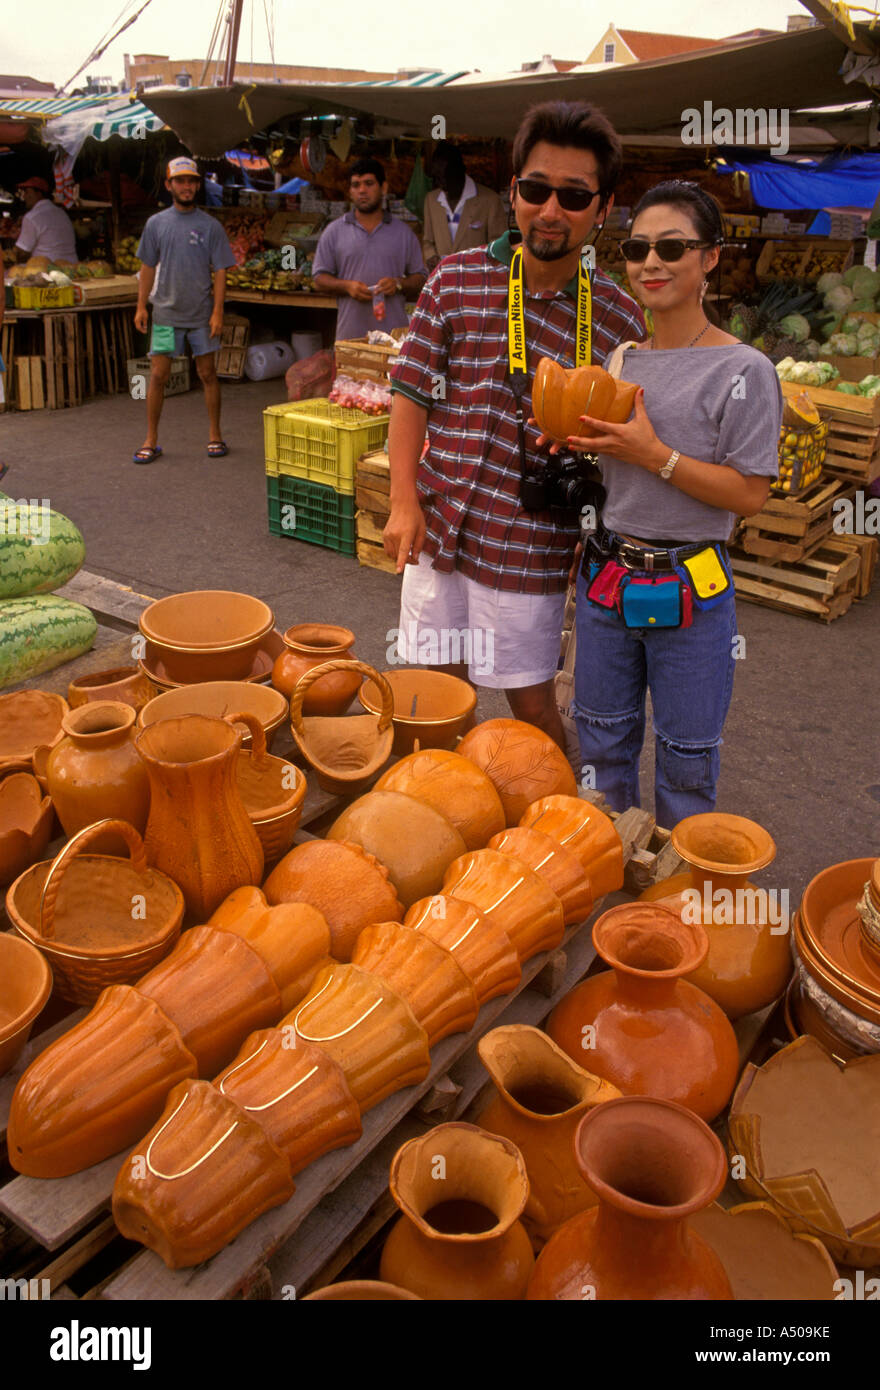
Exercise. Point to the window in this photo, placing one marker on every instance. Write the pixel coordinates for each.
(608, 56)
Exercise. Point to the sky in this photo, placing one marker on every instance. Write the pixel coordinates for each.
(492, 35)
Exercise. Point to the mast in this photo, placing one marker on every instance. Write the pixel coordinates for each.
(232, 49)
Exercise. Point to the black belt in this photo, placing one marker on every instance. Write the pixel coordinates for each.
(647, 557)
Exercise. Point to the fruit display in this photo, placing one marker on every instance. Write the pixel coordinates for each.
(126, 257)
(373, 397)
(41, 549)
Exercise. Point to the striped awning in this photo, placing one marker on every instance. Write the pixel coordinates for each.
(424, 79)
(96, 116)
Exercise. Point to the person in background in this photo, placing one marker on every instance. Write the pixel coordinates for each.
(459, 214)
(186, 246)
(369, 259)
(46, 229)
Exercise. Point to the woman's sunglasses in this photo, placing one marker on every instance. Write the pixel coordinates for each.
(537, 192)
(668, 248)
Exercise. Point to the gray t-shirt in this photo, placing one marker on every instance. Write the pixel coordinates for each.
(717, 404)
(349, 252)
(187, 247)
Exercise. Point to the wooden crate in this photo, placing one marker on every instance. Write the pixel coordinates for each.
(789, 528)
(236, 331)
(866, 547)
(370, 548)
(853, 452)
(822, 585)
(856, 410)
(373, 483)
(110, 289)
(29, 393)
(230, 363)
(362, 361)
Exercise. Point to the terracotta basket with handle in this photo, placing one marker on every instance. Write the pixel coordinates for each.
(273, 808)
(100, 920)
(348, 751)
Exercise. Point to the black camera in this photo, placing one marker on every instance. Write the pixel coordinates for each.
(562, 480)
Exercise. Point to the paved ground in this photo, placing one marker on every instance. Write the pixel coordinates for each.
(802, 741)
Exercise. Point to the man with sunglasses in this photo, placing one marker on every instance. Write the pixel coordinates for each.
(478, 566)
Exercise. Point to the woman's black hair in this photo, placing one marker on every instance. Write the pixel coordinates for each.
(705, 212)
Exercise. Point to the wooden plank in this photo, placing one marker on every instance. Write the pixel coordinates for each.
(52, 1210)
(368, 528)
(111, 603)
(38, 398)
(372, 499)
(375, 558)
(79, 1254)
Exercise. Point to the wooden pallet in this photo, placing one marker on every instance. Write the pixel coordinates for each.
(853, 451)
(823, 585)
(790, 528)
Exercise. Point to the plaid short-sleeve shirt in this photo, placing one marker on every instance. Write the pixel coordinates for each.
(454, 362)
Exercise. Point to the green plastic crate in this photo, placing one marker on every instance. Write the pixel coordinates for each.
(319, 441)
(311, 512)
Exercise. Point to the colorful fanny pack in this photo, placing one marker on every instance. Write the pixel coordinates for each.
(664, 598)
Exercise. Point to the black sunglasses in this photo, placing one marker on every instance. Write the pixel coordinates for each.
(537, 192)
(667, 248)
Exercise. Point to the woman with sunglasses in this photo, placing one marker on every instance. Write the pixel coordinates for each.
(655, 603)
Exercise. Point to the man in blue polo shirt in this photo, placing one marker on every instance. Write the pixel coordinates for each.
(368, 252)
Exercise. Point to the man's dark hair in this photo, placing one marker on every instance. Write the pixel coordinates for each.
(367, 165)
(573, 123)
(448, 157)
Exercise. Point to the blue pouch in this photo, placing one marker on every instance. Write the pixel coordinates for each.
(662, 600)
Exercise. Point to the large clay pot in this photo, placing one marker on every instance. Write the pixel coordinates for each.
(587, 832)
(508, 891)
(426, 975)
(641, 1025)
(349, 887)
(95, 772)
(414, 842)
(461, 1192)
(293, 939)
(479, 943)
(206, 634)
(522, 761)
(310, 645)
(198, 831)
(126, 684)
(749, 960)
(539, 1101)
(652, 1165)
(557, 866)
(452, 785)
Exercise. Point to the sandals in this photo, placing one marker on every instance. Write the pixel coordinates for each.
(147, 454)
(217, 449)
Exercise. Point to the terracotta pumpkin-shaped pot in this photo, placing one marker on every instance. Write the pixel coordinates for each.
(292, 939)
(641, 1025)
(349, 887)
(508, 891)
(587, 832)
(539, 1101)
(414, 842)
(455, 787)
(309, 645)
(522, 761)
(426, 975)
(461, 1192)
(479, 943)
(561, 395)
(557, 866)
(652, 1165)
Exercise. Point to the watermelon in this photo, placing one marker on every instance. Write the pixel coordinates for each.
(40, 632)
(39, 549)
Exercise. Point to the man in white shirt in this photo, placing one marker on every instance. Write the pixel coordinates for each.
(458, 214)
(46, 230)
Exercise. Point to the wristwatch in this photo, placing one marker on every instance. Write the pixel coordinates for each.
(399, 283)
(668, 468)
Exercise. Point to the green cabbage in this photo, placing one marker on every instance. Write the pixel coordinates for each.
(795, 326)
(839, 299)
(828, 281)
(848, 388)
(843, 344)
(869, 386)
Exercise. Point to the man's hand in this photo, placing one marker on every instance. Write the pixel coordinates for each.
(141, 319)
(215, 324)
(358, 290)
(387, 285)
(404, 534)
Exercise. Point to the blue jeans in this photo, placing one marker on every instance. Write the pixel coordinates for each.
(689, 672)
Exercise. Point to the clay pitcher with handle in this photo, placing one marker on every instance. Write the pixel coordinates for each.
(198, 831)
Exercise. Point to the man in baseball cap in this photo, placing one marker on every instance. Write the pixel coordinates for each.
(46, 230)
(182, 165)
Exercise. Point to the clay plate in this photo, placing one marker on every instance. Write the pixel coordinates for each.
(27, 719)
(762, 1257)
(270, 648)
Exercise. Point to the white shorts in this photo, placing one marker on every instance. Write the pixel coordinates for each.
(507, 641)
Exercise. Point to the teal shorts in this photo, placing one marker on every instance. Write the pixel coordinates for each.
(171, 342)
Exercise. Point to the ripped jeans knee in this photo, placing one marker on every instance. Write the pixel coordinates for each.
(610, 746)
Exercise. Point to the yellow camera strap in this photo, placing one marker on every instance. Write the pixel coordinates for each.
(516, 318)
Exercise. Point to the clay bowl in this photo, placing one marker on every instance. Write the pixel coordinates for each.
(25, 985)
(361, 1291)
(26, 817)
(430, 706)
(27, 719)
(810, 1008)
(762, 1257)
(832, 930)
(207, 634)
(127, 684)
(217, 699)
(153, 667)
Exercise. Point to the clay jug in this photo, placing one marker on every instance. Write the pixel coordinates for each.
(540, 1098)
(641, 1025)
(651, 1165)
(309, 645)
(198, 831)
(749, 960)
(461, 1192)
(95, 773)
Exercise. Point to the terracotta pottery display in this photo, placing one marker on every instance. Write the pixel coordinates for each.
(587, 832)
(365, 1027)
(272, 791)
(558, 867)
(523, 763)
(830, 940)
(97, 1088)
(198, 831)
(293, 938)
(749, 961)
(308, 645)
(26, 819)
(641, 1025)
(479, 943)
(269, 649)
(100, 920)
(206, 634)
(507, 890)
(763, 1258)
(653, 1166)
(540, 1098)
(25, 985)
(561, 395)
(127, 684)
(461, 1192)
(426, 975)
(217, 700)
(95, 772)
(453, 786)
(349, 887)
(808, 1130)
(809, 1008)
(296, 1092)
(869, 910)
(431, 708)
(346, 752)
(203, 1172)
(29, 718)
(414, 842)
(361, 1291)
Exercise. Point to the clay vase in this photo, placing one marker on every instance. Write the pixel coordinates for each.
(198, 831)
(587, 832)
(521, 760)
(509, 892)
(540, 1099)
(414, 842)
(557, 866)
(454, 786)
(95, 773)
(652, 1165)
(461, 1192)
(348, 886)
(126, 684)
(480, 944)
(641, 1025)
(749, 961)
(309, 645)
(426, 975)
